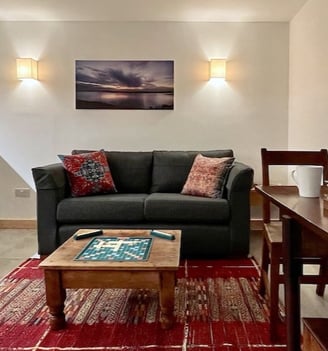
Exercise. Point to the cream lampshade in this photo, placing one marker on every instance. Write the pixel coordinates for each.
(27, 68)
(217, 68)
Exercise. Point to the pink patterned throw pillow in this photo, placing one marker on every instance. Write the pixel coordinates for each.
(88, 173)
(207, 175)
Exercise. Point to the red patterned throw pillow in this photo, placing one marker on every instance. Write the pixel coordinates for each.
(88, 173)
(207, 175)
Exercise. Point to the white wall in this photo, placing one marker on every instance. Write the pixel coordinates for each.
(308, 109)
(12, 206)
(245, 113)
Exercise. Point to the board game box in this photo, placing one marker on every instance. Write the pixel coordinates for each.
(116, 249)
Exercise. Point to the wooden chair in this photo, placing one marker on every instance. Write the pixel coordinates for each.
(313, 251)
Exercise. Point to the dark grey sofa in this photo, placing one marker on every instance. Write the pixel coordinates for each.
(149, 186)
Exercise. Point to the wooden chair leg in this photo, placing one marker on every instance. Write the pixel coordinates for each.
(274, 295)
(322, 272)
(264, 268)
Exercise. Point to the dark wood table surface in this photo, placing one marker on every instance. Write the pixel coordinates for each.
(304, 212)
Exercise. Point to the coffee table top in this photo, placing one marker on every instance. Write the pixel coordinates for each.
(164, 254)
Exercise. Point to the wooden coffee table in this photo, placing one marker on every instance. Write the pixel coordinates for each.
(61, 272)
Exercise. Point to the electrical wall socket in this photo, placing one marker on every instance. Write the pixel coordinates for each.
(22, 192)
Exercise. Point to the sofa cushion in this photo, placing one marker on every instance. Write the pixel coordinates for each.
(171, 168)
(88, 173)
(207, 176)
(131, 170)
(178, 208)
(109, 208)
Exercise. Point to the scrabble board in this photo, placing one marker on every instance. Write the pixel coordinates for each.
(116, 249)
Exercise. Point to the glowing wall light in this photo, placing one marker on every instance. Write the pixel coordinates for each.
(27, 68)
(217, 68)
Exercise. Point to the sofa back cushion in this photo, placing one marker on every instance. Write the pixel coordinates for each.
(171, 168)
(131, 170)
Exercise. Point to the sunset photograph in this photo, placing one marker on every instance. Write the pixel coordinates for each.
(140, 85)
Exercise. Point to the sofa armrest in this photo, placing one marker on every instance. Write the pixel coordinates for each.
(239, 179)
(51, 187)
(239, 183)
(49, 177)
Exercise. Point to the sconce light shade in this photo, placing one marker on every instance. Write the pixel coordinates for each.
(27, 68)
(217, 68)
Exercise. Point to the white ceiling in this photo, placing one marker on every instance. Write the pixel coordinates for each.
(150, 10)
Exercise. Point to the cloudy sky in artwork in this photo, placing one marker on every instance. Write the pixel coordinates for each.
(143, 76)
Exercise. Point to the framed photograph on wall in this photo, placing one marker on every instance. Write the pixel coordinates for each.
(124, 85)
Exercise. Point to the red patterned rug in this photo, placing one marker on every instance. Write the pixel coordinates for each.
(217, 308)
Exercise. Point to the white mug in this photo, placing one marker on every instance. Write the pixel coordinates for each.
(308, 180)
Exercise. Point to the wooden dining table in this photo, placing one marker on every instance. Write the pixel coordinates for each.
(298, 213)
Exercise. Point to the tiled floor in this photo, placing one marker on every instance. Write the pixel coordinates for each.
(17, 245)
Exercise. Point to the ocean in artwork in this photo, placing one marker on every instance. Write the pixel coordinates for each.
(112, 100)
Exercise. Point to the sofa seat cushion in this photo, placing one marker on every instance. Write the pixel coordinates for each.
(178, 208)
(109, 208)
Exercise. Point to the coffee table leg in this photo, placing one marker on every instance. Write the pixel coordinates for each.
(55, 296)
(166, 299)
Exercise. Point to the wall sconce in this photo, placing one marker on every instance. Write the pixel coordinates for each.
(217, 68)
(27, 68)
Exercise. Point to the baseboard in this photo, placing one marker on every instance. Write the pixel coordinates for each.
(257, 224)
(17, 223)
(256, 199)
